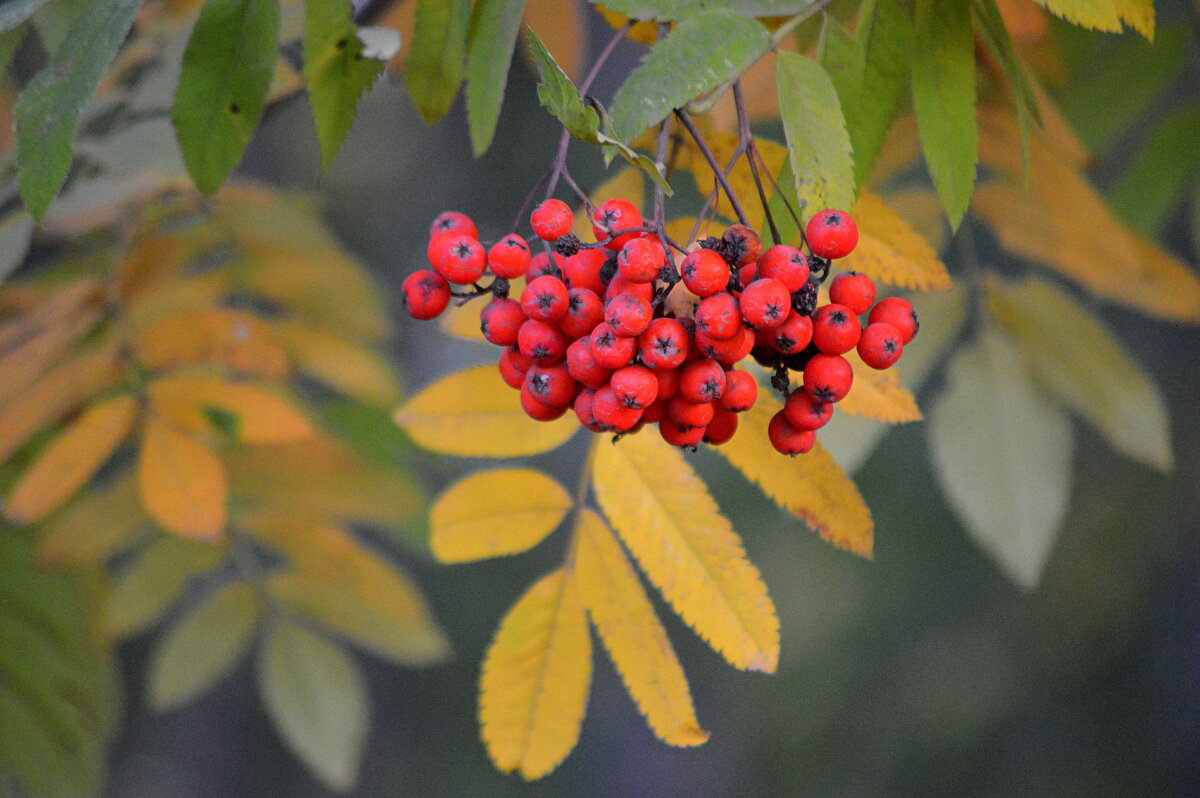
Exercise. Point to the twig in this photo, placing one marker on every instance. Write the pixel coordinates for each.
(746, 140)
(516, 225)
(683, 117)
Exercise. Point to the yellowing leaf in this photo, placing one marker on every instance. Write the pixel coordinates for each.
(536, 677)
(263, 417)
(632, 633)
(42, 309)
(39, 339)
(493, 513)
(72, 535)
(672, 526)
(891, 251)
(232, 338)
(155, 579)
(878, 394)
(181, 482)
(1106, 15)
(472, 413)
(71, 460)
(347, 367)
(811, 485)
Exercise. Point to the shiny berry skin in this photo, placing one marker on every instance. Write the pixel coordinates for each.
(741, 391)
(668, 383)
(426, 294)
(787, 439)
(635, 386)
(619, 285)
(641, 260)
(831, 234)
(438, 248)
(583, 410)
(855, 290)
(804, 412)
(827, 378)
(582, 366)
(664, 344)
(551, 220)
(500, 320)
(612, 412)
(584, 312)
(628, 314)
(551, 385)
(513, 366)
(899, 313)
(689, 414)
(509, 257)
(722, 428)
(610, 350)
(786, 264)
(613, 215)
(742, 245)
(453, 220)
(704, 272)
(582, 270)
(730, 351)
(541, 342)
(793, 335)
(702, 381)
(545, 298)
(766, 303)
(538, 410)
(835, 329)
(719, 316)
(880, 345)
(680, 435)
(541, 264)
(463, 260)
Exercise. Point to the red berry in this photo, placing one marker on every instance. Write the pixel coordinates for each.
(453, 220)
(612, 412)
(827, 378)
(793, 335)
(679, 434)
(513, 366)
(766, 303)
(835, 329)
(619, 285)
(741, 391)
(831, 234)
(541, 264)
(539, 411)
(541, 342)
(747, 274)
(719, 316)
(552, 219)
(584, 312)
(704, 272)
(583, 410)
(786, 264)
(610, 350)
(641, 260)
(689, 414)
(438, 248)
(722, 428)
(787, 439)
(463, 260)
(635, 386)
(880, 345)
(426, 294)
(664, 344)
(899, 313)
(655, 412)
(614, 215)
(582, 270)
(742, 245)
(730, 351)
(628, 314)
(500, 320)
(855, 290)
(509, 257)
(583, 367)
(551, 385)
(804, 412)
(702, 381)
(668, 383)
(545, 298)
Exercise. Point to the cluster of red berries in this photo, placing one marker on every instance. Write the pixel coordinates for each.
(591, 331)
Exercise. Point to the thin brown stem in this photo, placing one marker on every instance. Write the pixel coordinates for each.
(701, 145)
(746, 142)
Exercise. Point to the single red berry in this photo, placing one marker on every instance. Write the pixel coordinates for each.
(655, 412)
(509, 257)
(855, 290)
(628, 314)
(787, 439)
(729, 351)
(702, 381)
(513, 366)
(880, 345)
(582, 270)
(766, 303)
(793, 335)
(614, 215)
(722, 428)
(786, 264)
(545, 298)
(500, 320)
(719, 316)
(612, 412)
(541, 342)
(679, 434)
(583, 410)
(551, 220)
(805, 412)
(635, 386)
(551, 385)
(689, 414)
(463, 261)
(741, 391)
(663, 345)
(742, 245)
(641, 260)
(538, 410)
(746, 275)
(704, 272)
(831, 234)
(453, 220)
(610, 350)
(426, 294)
(584, 312)
(899, 313)
(668, 383)
(835, 329)
(619, 285)
(542, 264)
(438, 249)
(827, 378)
(582, 366)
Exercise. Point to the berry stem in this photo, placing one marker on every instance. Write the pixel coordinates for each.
(521, 214)
(746, 142)
(780, 192)
(686, 119)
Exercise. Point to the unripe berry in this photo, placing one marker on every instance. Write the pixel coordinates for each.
(426, 294)
(704, 272)
(582, 366)
(635, 386)
(538, 411)
(702, 381)
(614, 215)
(551, 220)
(722, 428)
(742, 245)
(689, 414)
(453, 220)
(612, 412)
(551, 385)
(545, 299)
(610, 350)
(664, 344)
(787, 439)
(628, 314)
(766, 303)
(835, 329)
(719, 316)
(786, 264)
(827, 378)
(584, 312)
(500, 320)
(463, 260)
(831, 234)
(541, 342)
(804, 412)
(513, 366)
(793, 335)
(582, 270)
(899, 313)
(509, 257)
(680, 435)
(880, 345)
(741, 391)
(855, 290)
(641, 260)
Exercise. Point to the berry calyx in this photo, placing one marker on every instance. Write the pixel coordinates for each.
(614, 215)
(509, 257)
(835, 329)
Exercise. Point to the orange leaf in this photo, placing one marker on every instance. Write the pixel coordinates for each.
(891, 251)
(181, 482)
(877, 394)
(42, 310)
(345, 366)
(20, 366)
(262, 416)
(561, 26)
(235, 339)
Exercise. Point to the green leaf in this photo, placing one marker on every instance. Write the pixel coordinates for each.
(992, 31)
(705, 50)
(885, 33)
(15, 12)
(203, 646)
(843, 59)
(1161, 171)
(1083, 365)
(227, 71)
(494, 27)
(558, 94)
(10, 42)
(154, 581)
(1002, 454)
(943, 84)
(613, 147)
(818, 145)
(50, 105)
(335, 70)
(437, 58)
(316, 696)
(679, 9)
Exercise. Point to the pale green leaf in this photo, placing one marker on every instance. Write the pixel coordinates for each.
(494, 28)
(16, 233)
(679, 9)
(15, 12)
(1163, 168)
(154, 581)
(885, 33)
(437, 59)
(558, 94)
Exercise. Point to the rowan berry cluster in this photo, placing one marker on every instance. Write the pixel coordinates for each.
(592, 331)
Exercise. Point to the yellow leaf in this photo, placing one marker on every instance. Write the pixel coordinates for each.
(472, 413)
(152, 261)
(672, 526)
(877, 394)
(628, 183)
(891, 251)
(1107, 15)
(536, 676)
(263, 417)
(645, 32)
(810, 485)
(561, 26)
(922, 208)
(741, 179)
(493, 513)
(72, 536)
(235, 339)
(175, 296)
(347, 367)
(181, 482)
(632, 633)
(71, 460)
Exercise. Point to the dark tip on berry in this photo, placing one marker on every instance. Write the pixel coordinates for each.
(889, 346)
(837, 317)
(823, 394)
(608, 271)
(483, 327)
(785, 343)
(500, 287)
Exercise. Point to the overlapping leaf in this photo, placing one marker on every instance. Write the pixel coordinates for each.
(891, 251)
(1111, 16)
(494, 28)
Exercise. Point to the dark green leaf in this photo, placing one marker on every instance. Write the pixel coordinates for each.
(678, 9)
(316, 696)
(10, 42)
(335, 70)
(437, 57)
(227, 71)
(943, 83)
(843, 59)
(15, 12)
(818, 146)
(494, 27)
(558, 94)
(993, 32)
(613, 147)
(705, 50)
(1162, 170)
(885, 33)
(50, 105)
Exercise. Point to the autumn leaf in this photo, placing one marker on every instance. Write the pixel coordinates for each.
(891, 251)
(262, 416)
(878, 394)
(235, 339)
(343, 365)
(1110, 16)
(181, 482)
(72, 536)
(41, 338)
